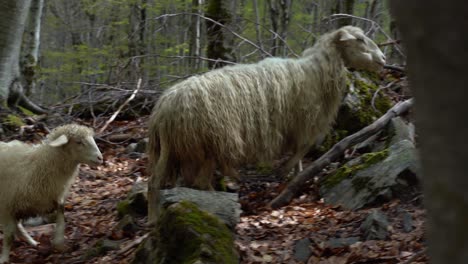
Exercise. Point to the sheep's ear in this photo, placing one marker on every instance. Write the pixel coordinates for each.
(344, 36)
(60, 141)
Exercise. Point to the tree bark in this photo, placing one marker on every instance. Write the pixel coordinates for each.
(434, 33)
(13, 15)
(216, 48)
(31, 46)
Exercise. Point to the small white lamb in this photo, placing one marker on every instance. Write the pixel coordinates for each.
(35, 179)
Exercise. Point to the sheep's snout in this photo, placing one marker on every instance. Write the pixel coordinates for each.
(94, 155)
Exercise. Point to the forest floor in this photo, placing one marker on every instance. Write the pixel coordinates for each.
(262, 236)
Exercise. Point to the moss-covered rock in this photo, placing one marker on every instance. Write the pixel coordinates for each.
(373, 177)
(136, 205)
(184, 235)
(347, 170)
(357, 112)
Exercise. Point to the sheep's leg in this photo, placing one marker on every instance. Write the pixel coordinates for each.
(294, 161)
(59, 236)
(24, 234)
(9, 230)
(205, 175)
(298, 168)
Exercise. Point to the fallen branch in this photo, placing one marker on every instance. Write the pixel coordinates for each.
(131, 245)
(295, 186)
(111, 119)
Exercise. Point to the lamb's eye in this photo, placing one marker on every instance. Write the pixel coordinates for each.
(361, 40)
(79, 142)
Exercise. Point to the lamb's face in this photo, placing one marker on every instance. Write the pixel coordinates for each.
(87, 150)
(82, 149)
(359, 51)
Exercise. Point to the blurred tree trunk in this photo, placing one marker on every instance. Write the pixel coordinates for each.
(435, 38)
(31, 46)
(216, 47)
(136, 37)
(195, 34)
(280, 11)
(13, 15)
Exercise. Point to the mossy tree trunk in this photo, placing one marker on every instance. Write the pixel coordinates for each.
(13, 15)
(435, 38)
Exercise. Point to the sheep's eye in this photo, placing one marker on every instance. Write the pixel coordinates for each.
(361, 40)
(79, 142)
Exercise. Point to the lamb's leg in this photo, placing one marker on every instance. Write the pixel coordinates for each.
(23, 233)
(9, 230)
(59, 236)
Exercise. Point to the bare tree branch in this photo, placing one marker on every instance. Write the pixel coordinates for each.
(121, 107)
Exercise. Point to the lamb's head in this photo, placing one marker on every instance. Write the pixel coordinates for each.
(357, 50)
(77, 142)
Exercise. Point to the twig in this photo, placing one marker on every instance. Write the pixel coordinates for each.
(377, 92)
(132, 244)
(388, 43)
(395, 68)
(296, 184)
(121, 107)
(414, 257)
(217, 23)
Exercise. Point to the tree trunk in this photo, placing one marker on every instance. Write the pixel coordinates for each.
(435, 38)
(216, 48)
(13, 16)
(31, 46)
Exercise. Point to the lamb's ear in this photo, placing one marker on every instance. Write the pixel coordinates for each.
(343, 35)
(60, 141)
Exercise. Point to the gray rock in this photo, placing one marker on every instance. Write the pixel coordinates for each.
(375, 226)
(302, 251)
(392, 177)
(407, 222)
(130, 148)
(400, 130)
(141, 145)
(222, 204)
(341, 242)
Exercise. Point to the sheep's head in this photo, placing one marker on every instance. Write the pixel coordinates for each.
(78, 142)
(357, 50)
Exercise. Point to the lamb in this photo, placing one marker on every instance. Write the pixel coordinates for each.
(252, 112)
(35, 179)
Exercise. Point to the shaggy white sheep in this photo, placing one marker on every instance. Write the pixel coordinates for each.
(35, 179)
(249, 113)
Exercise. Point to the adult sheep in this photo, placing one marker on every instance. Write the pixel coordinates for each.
(35, 179)
(253, 112)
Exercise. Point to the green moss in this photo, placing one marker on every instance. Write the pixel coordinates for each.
(355, 117)
(123, 208)
(13, 120)
(25, 111)
(344, 172)
(188, 234)
(340, 174)
(264, 168)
